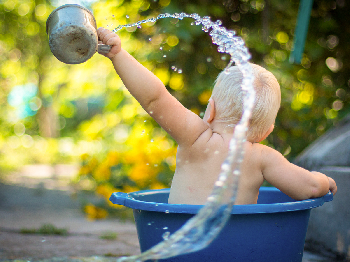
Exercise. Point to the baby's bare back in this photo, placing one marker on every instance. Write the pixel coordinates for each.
(198, 167)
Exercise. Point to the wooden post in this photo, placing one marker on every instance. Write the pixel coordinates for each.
(301, 31)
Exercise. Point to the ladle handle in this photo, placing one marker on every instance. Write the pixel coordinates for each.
(104, 48)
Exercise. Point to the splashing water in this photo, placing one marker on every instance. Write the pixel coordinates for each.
(202, 229)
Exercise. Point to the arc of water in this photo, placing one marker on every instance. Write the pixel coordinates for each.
(202, 229)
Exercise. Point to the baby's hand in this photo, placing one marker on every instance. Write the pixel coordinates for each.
(332, 185)
(107, 37)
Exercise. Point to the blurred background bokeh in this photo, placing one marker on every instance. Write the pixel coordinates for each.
(55, 114)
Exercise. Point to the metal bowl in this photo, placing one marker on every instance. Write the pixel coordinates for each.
(72, 33)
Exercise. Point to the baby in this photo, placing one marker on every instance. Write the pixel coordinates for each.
(203, 144)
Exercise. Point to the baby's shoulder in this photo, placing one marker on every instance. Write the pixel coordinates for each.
(253, 148)
(257, 152)
(266, 155)
(260, 148)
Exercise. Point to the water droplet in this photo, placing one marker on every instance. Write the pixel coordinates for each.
(219, 183)
(43, 239)
(209, 59)
(164, 55)
(167, 211)
(225, 167)
(165, 228)
(147, 164)
(155, 165)
(160, 48)
(152, 140)
(149, 39)
(145, 121)
(127, 16)
(149, 224)
(166, 235)
(179, 71)
(143, 132)
(211, 198)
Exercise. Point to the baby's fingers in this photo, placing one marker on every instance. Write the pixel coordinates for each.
(332, 186)
(109, 38)
(104, 34)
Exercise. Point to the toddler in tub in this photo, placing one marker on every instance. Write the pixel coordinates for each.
(203, 144)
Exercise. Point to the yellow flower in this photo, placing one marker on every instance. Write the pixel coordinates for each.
(93, 212)
(204, 97)
(92, 164)
(84, 170)
(113, 158)
(102, 173)
(157, 185)
(105, 190)
(176, 82)
(143, 174)
(138, 173)
(135, 155)
(128, 189)
(84, 157)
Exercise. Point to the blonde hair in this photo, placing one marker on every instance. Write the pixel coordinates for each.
(228, 97)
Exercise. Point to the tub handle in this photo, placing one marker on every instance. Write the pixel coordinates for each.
(119, 198)
(104, 48)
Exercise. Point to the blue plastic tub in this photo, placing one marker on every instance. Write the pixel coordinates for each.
(272, 230)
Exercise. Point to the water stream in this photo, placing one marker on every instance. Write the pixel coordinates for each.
(200, 230)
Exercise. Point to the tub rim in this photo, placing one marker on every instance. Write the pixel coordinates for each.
(127, 200)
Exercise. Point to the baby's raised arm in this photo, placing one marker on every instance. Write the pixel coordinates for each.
(293, 180)
(182, 124)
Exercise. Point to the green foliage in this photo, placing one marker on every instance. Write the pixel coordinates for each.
(85, 109)
(46, 229)
(315, 94)
(109, 236)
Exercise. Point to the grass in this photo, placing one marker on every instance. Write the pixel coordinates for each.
(109, 236)
(46, 229)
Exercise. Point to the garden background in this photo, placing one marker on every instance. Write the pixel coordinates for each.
(53, 113)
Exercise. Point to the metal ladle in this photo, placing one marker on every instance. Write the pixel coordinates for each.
(72, 34)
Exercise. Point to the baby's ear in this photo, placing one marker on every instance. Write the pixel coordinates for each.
(267, 133)
(211, 109)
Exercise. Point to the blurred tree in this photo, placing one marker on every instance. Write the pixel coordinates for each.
(26, 60)
(41, 98)
(315, 93)
(88, 104)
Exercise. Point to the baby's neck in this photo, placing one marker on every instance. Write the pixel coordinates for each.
(222, 128)
(225, 129)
